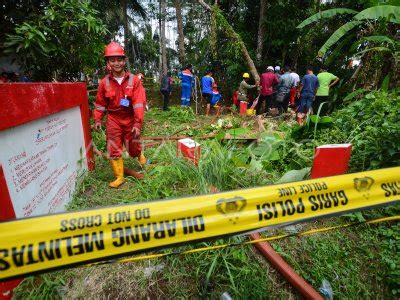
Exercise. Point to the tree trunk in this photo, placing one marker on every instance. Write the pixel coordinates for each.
(163, 12)
(261, 29)
(181, 37)
(318, 5)
(213, 37)
(134, 56)
(249, 61)
(296, 56)
(124, 6)
(205, 5)
(236, 37)
(160, 71)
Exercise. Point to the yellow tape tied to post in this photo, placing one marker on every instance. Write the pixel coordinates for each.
(39, 244)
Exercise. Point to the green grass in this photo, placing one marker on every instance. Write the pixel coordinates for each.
(361, 262)
(348, 259)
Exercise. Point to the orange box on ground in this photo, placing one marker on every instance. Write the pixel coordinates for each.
(331, 160)
(190, 149)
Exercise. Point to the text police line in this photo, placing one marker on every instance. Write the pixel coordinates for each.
(34, 245)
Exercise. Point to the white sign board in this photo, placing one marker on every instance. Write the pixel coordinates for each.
(42, 161)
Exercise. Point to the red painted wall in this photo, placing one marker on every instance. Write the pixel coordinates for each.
(25, 102)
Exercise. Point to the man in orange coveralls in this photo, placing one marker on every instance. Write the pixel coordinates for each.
(121, 95)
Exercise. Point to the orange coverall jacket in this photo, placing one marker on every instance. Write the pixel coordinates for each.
(121, 119)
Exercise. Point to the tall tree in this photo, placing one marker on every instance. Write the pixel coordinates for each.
(261, 29)
(163, 42)
(181, 37)
(119, 14)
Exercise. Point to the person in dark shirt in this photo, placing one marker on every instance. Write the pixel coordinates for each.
(166, 89)
(4, 77)
(308, 89)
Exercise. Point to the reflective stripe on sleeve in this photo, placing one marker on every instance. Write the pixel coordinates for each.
(138, 105)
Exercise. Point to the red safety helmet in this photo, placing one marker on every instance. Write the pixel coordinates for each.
(114, 49)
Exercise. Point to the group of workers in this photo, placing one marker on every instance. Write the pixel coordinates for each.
(278, 89)
(209, 89)
(122, 97)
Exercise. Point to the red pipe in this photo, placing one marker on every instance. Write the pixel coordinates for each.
(133, 173)
(302, 286)
(278, 262)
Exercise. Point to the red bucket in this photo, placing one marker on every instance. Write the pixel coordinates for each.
(243, 108)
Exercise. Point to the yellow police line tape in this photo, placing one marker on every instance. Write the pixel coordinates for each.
(266, 239)
(40, 244)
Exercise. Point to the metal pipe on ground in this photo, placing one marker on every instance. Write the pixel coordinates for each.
(133, 173)
(302, 286)
(305, 289)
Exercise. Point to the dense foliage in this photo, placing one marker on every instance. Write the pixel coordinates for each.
(64, 39)
(371, 124)
(72, 34)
